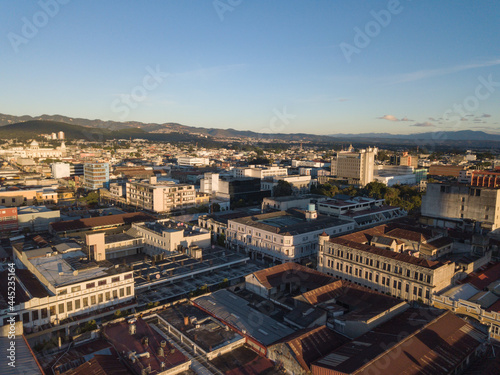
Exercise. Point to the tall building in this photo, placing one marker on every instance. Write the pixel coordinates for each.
(160, 197)
(355, 167)
(95, 176)
(446, 205)
(60, 135)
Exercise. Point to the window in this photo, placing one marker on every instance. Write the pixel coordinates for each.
(69, 306)
(61, 308)
(427, 294)
(415, 290)
(100, 298)
(102, 282)
(77, 304)
(129, 291)
(115, 279)
(407, 288)
(13, 200)
(75, 289)
(26, 317)
(93, 300)
(61, 292)
(52, 310)
(121, 292)
(128, 276)
(85, 302)
(108, 296)
(90, 285)
(44, 313)
(394, 284)
(115, 293)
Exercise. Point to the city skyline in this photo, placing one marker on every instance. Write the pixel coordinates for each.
(398, 67)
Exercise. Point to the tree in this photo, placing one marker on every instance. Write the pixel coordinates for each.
(215, 207)
(283, 188)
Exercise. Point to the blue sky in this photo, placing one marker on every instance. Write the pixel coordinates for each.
(320, 67)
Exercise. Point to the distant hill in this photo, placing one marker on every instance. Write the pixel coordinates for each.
(461, 135)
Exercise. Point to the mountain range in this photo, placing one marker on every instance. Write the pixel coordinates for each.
(21, 126)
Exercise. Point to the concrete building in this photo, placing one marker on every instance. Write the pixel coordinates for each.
(160, 197)
(364, 212)
(36, 218)
(18, 196)
(256, 171)
(405, 159)
(193, 162)
(61, 170)
(448, 205)
(170, 237)
(445, 170)
(391, 175)
(95, 176)
(65, 285)
(292, 201)
(283, 236)
(300, 184)
(355, 167)
(367, 258)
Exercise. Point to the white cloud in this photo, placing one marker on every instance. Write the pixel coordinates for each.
(393, 118)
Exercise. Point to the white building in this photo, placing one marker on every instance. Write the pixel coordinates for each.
(160, 197)
(391, 175)
(193, 162)
(283, 236)
(257, 171)
(95, 176)
(61, 170)
(70, 286)
(356, 167)
(300, 184)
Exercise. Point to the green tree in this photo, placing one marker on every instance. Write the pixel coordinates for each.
(283, 188)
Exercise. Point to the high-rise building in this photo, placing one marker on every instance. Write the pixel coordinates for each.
(95, 176)
(356, 167)
(60, 170)
(445, 205)
(60, 135)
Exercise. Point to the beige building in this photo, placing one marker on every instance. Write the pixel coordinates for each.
(446, 205)
(373, 259)
(257, 171)
(17, 196)
(355, 167)
(160, 197)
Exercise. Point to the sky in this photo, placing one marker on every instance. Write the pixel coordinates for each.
(283, 66)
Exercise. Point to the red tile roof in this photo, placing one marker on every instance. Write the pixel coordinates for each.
(482, 279)
(277, 275)
(100, 365)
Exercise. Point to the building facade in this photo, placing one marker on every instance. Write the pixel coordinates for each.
(355, 167)
(95, 176)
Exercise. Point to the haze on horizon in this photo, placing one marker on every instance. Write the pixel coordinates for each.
(287, 66)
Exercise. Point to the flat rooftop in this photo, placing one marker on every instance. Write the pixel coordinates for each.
(71, 268)
(290, 222)
(236, 312)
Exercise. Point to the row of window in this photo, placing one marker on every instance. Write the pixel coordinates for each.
(77, 304)
(91, 285)
(385, 266)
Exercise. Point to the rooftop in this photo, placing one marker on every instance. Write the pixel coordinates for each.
(428, 342)
(236, 312)
(101, 221)
(289, 222)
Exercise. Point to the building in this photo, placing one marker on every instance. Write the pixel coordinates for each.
(405, 159)
(364, 212)
(193, 162)
(380, 258)
(283, 236)
(299, 184)
(18, 196)
(391, 175)
(445, 170)
(60, 170)
(355, 167)
(36, 218)
(449, 204)
(418, 341)
(8, 219)
(234, 189)
(60, 135)
(160, 197)
(258, 171)
(169, 237)
(65, 285)
(292, 201)
(489, 179)
(95, 176)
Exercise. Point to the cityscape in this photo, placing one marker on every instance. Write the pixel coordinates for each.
(240, 188)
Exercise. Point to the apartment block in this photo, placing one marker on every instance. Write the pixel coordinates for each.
(95, 176)
(160, 197)
(257, 171)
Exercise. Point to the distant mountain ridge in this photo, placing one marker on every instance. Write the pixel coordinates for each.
(153, 131)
